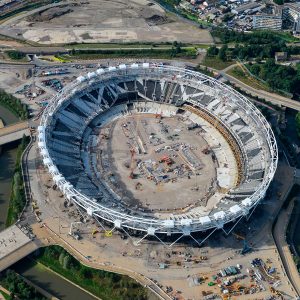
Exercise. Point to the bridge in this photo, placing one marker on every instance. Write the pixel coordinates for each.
(14, 132)
(15, 244)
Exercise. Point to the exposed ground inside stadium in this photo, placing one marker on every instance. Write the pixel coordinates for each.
(158, 163)
(100, 21)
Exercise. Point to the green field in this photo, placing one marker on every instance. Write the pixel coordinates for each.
(216, 63)
(240, 74)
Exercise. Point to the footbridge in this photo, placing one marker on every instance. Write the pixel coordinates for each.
(15, 244)
(14, 132)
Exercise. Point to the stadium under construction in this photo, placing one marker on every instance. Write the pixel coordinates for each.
(158, 150)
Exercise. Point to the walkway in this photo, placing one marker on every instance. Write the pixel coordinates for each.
(270, 97)
(279, 233)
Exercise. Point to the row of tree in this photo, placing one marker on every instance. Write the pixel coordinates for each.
(14, 54)
(14, 104)
(19, 288)
(251, 51)
(17, 196)
(106, 285)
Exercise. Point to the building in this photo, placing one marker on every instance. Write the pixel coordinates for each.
(291, 11)
(296, 26)
(264, 21)
(280, 56)
(248, 8)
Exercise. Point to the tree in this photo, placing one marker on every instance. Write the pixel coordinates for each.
(61, 258)
(297, 119)
(67, 261)
(223, 53)
(212, 51)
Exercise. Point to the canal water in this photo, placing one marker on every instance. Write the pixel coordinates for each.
(7, 164)
(49, 281)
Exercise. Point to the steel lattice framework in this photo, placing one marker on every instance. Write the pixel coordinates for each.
(182, 225)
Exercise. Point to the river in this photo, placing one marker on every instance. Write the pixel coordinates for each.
(7, 164)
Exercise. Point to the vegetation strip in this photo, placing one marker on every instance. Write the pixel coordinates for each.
(176, 51)
(14, 105)
(17, 197)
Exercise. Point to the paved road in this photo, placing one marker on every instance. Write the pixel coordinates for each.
(271, 97)
(279, 234)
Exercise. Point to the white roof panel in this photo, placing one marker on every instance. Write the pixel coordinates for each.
(205, 220)
(219, 215)
(235, 209)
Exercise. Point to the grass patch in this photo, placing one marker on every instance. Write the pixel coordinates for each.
(60, 59)
(216, 63)
(103, 284)
(246, 78)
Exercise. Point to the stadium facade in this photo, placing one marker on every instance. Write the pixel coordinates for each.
(113, 92)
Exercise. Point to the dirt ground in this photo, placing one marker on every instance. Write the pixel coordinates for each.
(177, 183)
(102, 21)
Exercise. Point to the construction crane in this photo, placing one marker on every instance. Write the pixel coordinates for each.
(132, 163)
(72, 233)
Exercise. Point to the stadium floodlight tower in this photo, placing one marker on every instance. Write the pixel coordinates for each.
(242, 144)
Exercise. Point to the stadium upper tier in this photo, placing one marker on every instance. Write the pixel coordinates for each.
(99, 97)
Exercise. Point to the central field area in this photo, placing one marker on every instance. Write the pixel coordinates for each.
(160, 164)
(102, 21)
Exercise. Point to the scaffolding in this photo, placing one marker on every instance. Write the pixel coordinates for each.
(227, 135)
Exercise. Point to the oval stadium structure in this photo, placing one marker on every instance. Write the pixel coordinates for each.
(157, 149)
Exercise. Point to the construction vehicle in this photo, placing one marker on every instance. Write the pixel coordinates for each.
(276, 292)
(205, 151)
(108, 233)
(166, 159)
(139, 186)
(94, 232)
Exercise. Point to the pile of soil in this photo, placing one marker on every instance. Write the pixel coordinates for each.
(157, 20)
(49, 13)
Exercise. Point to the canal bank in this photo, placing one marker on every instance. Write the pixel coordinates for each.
(7, 162)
